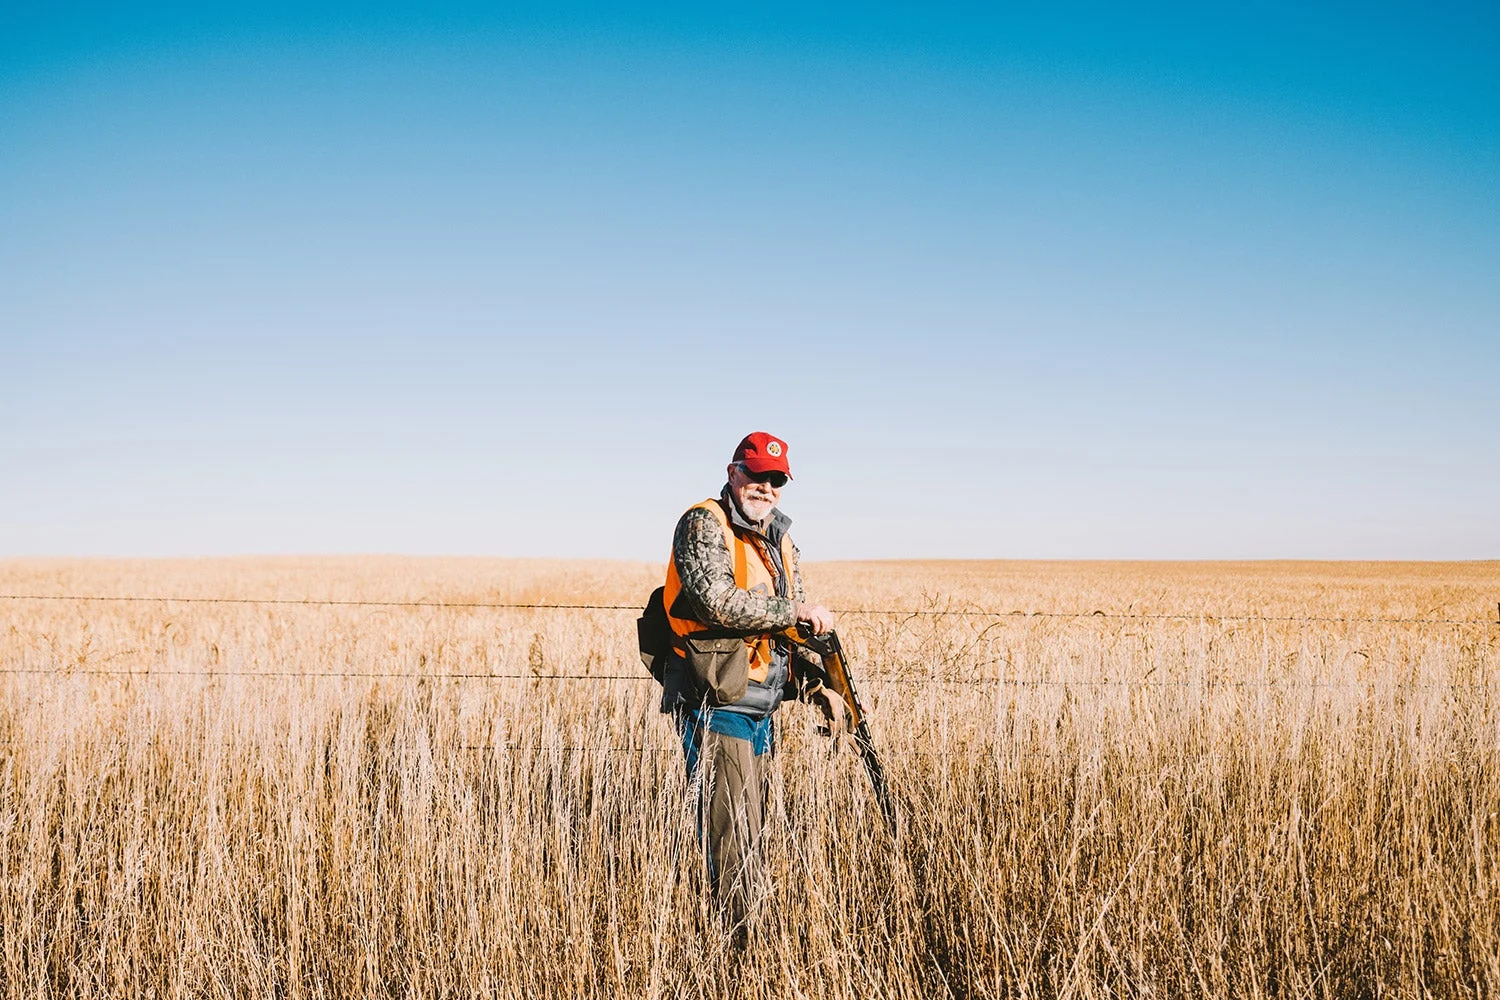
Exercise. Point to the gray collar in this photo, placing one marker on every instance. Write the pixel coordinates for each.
(775, 526)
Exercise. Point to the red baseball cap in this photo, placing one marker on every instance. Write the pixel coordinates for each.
(760, 452)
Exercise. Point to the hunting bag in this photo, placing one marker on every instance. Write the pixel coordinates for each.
(654, 634)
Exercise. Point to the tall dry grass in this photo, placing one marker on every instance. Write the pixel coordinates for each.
(193, 803)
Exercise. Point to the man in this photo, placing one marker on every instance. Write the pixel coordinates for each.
(733, 585)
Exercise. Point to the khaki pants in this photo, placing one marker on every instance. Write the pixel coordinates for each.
(733, 804)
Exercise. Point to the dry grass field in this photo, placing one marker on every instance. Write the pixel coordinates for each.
(289, 800)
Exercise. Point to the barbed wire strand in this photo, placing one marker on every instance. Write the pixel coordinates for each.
(657, 752)
(282, 674)
(1060, 755)
(908, 613)
(64, 672)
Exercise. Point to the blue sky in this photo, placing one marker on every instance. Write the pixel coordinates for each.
(1069, 282)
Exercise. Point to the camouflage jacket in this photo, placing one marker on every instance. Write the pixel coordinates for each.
(707, 572)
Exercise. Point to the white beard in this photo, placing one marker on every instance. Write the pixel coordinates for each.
(756, 511)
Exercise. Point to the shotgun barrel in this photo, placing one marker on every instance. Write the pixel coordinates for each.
(831, 651)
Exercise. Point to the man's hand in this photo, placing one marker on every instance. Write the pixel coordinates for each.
(817, 616)
(835, 712)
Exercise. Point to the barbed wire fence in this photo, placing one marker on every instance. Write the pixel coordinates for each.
(905, 612)
(1206, 683)
(641, 677)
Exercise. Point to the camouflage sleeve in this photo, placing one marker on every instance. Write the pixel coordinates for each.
(707, 572)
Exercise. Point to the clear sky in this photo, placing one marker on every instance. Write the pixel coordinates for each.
(1079, 281)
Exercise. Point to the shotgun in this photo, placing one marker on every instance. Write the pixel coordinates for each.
(831, 652)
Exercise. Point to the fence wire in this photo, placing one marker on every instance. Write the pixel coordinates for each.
(899, 679)
(676, 752)
(1016, 682)
(879, 612)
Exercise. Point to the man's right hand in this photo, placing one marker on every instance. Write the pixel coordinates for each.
(818, 617)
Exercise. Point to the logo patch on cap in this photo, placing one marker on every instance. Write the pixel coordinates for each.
(773, 448)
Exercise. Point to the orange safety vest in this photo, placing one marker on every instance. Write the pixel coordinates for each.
(749, 574)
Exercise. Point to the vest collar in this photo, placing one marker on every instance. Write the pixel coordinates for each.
(776, 525)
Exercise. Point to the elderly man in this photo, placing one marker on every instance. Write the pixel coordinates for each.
(732, 587)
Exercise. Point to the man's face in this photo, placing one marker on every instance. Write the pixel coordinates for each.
(755, 499)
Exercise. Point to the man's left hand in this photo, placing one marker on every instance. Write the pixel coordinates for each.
(835, 712)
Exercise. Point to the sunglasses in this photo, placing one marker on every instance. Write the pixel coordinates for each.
(775, 480)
